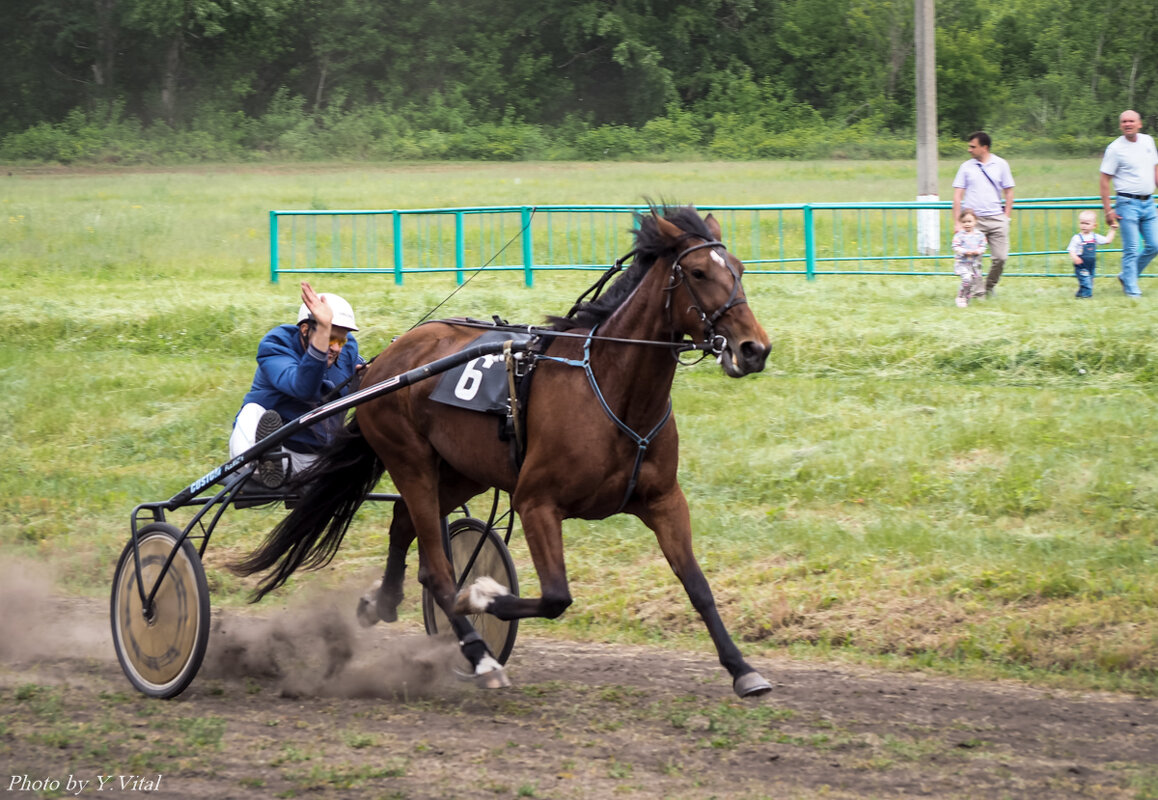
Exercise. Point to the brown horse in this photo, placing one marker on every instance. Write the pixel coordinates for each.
(598, 440)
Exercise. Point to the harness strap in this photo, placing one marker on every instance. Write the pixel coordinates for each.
(512, 391)
(712, 343)
(641, 442)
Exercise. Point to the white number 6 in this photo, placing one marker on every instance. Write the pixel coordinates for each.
(468, 385)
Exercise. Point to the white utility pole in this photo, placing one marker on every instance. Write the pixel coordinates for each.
(928, 222)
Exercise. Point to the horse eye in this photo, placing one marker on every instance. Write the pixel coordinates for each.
(699, 274)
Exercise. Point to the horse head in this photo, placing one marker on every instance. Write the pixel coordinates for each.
(706, 299)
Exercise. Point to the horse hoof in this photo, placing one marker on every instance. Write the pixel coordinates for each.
(489, 673)
(386, 605)
(495, 679)
(751, 684)
(369, 612)
(477, 598)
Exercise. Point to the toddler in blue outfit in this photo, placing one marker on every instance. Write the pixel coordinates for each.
(1083, 249)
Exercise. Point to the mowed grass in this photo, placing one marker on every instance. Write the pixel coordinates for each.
(907, 483)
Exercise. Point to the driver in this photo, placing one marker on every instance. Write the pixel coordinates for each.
(298, 368)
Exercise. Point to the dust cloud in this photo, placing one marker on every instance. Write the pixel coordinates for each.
(37, 622)
(309, 647)
(313, 648)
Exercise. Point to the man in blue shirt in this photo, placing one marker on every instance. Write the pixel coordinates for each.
(299, 367)
(1131, 163)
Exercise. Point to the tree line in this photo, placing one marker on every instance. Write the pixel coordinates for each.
(144, 80)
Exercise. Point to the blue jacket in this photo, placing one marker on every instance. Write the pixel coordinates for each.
(291, 381)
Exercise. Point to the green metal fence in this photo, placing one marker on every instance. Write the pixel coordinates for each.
(780, 239)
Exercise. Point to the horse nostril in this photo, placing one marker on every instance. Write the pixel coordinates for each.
(753, 353)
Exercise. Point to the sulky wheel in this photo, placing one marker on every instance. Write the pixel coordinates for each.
(160, 651)
(494, 561)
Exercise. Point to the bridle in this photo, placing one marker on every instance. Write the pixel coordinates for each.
(713, 342)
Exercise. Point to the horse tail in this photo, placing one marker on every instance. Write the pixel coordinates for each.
(332, 490)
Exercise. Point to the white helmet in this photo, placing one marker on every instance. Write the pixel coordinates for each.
(343, 311)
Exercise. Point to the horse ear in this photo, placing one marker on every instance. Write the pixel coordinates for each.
(668, 228)
(713, 227)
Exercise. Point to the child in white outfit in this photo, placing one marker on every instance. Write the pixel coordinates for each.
(968, 246)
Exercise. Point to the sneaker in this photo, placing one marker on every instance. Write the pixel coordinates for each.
(962, 302)
(267, 423)
(991, 292)
(1125, 291)
(270, 469)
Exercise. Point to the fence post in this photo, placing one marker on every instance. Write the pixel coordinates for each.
(528, 255)
(273, 247)
(397, 247)
(459, 248)
(809, 245)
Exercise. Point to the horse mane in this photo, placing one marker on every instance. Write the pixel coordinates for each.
(650, 244)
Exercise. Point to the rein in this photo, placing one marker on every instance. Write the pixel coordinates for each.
(597, 287)
(680, 347)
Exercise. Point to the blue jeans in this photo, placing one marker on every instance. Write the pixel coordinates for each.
(1136, 218)
(1084, 272)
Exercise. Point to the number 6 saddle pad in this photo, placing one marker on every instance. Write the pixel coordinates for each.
(481, 383)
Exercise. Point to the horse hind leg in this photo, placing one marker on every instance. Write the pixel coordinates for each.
(380, 602)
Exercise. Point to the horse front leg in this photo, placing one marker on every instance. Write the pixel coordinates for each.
(381, 601)
(670, 520)
(543, 532)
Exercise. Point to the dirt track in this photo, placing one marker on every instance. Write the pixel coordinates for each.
(391, 720)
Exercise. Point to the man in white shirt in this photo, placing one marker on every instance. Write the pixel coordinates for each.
(985, 184)
(1131, 162)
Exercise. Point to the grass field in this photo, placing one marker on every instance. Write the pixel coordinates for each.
(907, 483)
